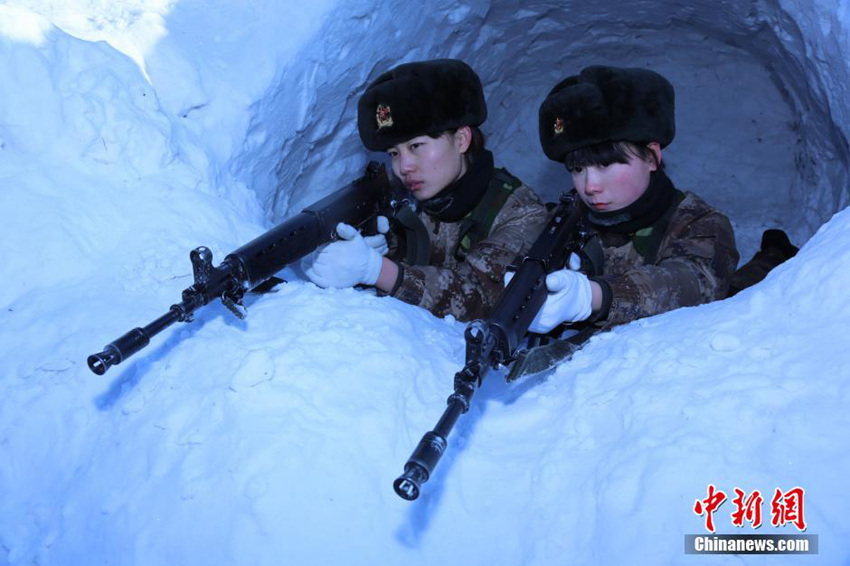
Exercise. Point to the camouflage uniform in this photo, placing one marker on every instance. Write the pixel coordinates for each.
(694, 264)
(468, 287)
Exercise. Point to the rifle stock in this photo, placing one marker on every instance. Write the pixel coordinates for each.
(253, 264)
(495, 342)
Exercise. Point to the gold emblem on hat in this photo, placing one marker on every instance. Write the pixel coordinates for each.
(559, 126)
(384, 116)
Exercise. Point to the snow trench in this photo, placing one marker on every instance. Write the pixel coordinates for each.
(762, 113)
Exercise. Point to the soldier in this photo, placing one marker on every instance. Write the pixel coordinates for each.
(474, 219)
(662, 248)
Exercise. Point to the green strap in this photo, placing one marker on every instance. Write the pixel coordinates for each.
(647, 240)
(477, 224)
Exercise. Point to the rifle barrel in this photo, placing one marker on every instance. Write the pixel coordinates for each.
(430, 449)
(118, 350)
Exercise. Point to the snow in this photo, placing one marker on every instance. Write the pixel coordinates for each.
(132, 132)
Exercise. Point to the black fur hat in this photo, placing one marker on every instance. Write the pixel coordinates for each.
(607, 104)
(416, 99)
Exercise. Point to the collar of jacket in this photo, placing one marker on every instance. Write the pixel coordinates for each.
(648, 208)
(454, 202)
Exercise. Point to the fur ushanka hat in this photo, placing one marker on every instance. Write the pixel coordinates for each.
(607, 104)
(416, 99)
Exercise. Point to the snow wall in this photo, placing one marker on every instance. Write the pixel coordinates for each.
(761, 89)
(268, 92)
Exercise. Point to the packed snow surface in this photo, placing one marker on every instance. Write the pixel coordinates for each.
(275, 440)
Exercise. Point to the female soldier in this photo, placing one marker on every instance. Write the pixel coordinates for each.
(662, 248)
(426, 115)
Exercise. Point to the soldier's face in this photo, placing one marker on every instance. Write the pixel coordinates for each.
(428, 165)
(615, 186)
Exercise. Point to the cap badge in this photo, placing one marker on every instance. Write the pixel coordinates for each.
(384, 117)
(559, 126)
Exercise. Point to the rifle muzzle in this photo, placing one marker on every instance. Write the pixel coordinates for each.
(102, 361)
(115, 352)
(407, 484)
(420, 465)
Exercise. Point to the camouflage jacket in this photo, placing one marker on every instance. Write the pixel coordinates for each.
(469, 287)
(694, 264)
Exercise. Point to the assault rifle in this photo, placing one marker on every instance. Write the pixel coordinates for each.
(253, 266)
(495, 342)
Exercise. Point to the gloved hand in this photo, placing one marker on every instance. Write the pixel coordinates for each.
(347, 262)
(379, 240)
(570, 300)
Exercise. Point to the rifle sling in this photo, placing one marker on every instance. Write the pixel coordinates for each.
(477, 224)
(647, 241)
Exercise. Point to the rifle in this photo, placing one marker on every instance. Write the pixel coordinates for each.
(252, 267)
(495, 342)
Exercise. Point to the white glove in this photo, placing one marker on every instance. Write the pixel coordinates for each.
(379, 240)
(347, 262)
(570, 300)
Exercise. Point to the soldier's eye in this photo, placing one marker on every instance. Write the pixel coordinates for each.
(574, 170)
